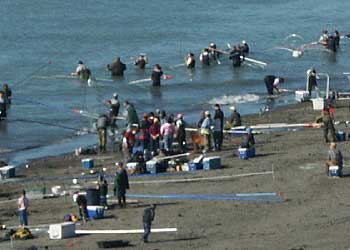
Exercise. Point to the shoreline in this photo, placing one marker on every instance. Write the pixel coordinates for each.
(310, 215)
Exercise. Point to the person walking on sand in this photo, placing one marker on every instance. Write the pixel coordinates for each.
(121, 184)
(148, 217)
(23, 204)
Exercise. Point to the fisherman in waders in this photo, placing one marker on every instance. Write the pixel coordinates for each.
(204, 57)
(245, 48)
(236, 59)
(3, 106)
(141, 61)
(148, 217)
(235, 118)
(117, 68)
(114, 111)
(156, 75)
(190, 61)
(337, 38)
(328, 125)
(102, 123)
(82, 71)
(7, 93)
(311, 80)
(272, 83)
(131, 116)
(331, 44)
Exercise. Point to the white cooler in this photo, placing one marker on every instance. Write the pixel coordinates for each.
(318, 103)
(62, 230)
(302, 95)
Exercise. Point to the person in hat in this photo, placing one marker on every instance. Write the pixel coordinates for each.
(245, 48)
(117, 68)
(148, 217)
(272, 82)
(82, 71)
(156, 75)
(218, 134)
(121, 184)
(181, 132)
(235, 119)
(206, 129)
(141, 61)
(114, 107)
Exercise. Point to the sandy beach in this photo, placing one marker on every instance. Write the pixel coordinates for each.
(313, 212)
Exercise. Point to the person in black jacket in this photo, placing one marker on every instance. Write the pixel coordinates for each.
(117, 68)
(218, 127)
(2, 105)
(235, 56)
(156, 75)
(141, 61)
(148, 217)
(82, 204)
(8, 93)
(121, 184)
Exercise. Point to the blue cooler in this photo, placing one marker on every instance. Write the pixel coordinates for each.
(195, 166)
(245, 153)
(87, 163)
(153, 167)
(213, 162)
(341, 136)
(95, 212)
(136, 150)
(334, 171)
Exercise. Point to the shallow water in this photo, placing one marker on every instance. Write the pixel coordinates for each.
(63, 32)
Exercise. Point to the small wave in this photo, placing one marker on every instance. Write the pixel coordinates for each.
(231, 99)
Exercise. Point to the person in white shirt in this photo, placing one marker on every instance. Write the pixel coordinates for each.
(23, 204)
(272, 83)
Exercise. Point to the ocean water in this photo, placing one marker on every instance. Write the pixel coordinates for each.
(34, 33)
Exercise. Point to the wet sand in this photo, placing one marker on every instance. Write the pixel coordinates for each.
(314, 214)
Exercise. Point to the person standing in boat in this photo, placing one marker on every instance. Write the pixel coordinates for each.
(156, 75)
